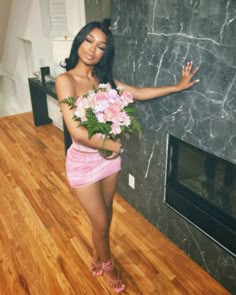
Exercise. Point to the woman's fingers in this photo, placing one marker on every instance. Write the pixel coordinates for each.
(194, 72)
(187, 69)
(113, 156)
(187, 74)
(193, 82)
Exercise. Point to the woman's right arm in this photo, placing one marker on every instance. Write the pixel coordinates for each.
(65, 87)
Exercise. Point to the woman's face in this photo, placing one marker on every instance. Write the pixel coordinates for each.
(92, 48)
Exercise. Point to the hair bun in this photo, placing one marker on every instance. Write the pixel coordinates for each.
(107, 23)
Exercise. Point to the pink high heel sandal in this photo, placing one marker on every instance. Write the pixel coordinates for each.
(97, 269)
(117, 285)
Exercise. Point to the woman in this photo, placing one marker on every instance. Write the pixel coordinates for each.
(92, 177)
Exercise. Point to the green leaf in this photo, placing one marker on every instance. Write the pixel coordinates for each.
(136, 126)
(70, 101)
(129, 110)
(95, 89)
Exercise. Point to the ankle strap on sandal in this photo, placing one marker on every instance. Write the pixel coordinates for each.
(109, 265)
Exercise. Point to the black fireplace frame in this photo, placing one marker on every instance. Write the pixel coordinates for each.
(215, 223)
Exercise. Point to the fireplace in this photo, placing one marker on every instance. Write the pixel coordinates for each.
(201, 187)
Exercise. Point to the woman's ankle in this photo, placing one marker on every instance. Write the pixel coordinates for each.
(108, 265)
(96, 257)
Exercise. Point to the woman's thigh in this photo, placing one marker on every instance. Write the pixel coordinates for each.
(108, 187)
(92, 200)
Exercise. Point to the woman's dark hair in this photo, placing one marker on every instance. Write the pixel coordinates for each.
(103, 69)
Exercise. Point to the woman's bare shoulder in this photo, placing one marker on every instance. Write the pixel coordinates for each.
(65, 85)
(65, 77)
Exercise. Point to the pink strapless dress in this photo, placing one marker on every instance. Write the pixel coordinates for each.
(84, 165)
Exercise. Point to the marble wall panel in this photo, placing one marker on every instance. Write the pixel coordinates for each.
(153, 39)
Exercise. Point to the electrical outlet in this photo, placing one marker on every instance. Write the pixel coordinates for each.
(131, 181)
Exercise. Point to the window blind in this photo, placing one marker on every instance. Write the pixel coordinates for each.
(58, 18)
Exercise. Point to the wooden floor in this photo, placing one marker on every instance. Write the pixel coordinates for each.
(45, 244)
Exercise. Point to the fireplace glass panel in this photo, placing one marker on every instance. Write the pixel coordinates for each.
(202, 188)
(210, 177)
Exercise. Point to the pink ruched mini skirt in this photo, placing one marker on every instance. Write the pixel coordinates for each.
(84, 165)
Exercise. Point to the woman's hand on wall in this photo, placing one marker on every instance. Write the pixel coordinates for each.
(145, 93)
(187, 75)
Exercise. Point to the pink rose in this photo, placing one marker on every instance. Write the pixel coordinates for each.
(112, 112)
(112, 93)
(124, 119)
(101, 96)
(128, 96)
(115, 129)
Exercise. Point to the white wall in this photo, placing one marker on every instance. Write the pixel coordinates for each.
(5, 6)
(26, 23)
(28, 20)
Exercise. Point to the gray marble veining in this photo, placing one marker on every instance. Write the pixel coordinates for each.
(154, 38)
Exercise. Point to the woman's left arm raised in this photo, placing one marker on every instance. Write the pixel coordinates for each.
(145, 93)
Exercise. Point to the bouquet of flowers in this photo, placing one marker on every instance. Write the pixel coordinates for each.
(105, 111)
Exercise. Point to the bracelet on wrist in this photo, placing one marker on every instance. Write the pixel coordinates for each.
(121, 149)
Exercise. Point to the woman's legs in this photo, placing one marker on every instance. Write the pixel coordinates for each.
(108, 186)
(97, 199)
(108, 189)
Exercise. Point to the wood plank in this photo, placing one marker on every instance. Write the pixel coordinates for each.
(45, 237)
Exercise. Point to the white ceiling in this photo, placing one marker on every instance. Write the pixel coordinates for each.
(5, 6)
